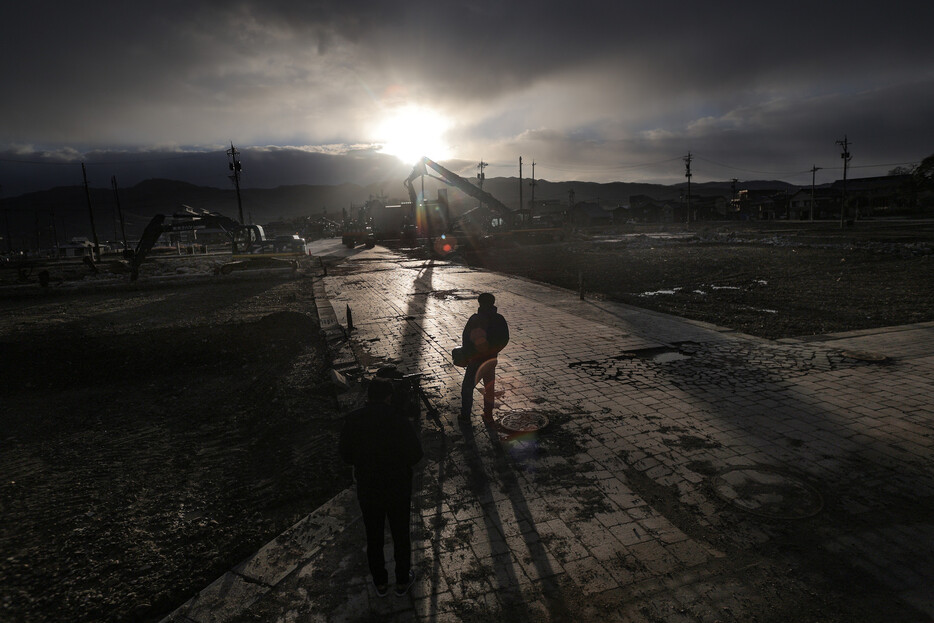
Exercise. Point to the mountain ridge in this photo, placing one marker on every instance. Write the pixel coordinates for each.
(62, 211)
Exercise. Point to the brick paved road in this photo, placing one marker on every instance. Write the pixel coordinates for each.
(688, 473)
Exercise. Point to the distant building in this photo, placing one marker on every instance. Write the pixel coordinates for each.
(826, 204)
(761, 204)
(870, 196)
(867, 196)
(645, 209)
(78, 246)
(549, 213)
(623, 214)
(590, 214)
(710, 208)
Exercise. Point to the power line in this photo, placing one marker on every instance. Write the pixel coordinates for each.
(611, 167)
(727, 166)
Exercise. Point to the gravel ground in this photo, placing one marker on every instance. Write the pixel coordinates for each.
(153, 437)
(769, 283)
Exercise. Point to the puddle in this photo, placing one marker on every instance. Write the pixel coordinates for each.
(453, 295)
(662, 354)
(702, 291)
(644, 236)
(657, 292)
(767, 492)
(668, 356)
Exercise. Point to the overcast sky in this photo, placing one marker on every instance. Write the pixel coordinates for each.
(589, 90)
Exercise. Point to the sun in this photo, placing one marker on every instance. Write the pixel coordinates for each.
(411, 132)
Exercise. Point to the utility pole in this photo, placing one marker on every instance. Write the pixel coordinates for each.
(570, 215)
(733, 191)
(35, 212)
(234, 165)
(687, 174)
(54, 230)
(481, 176)
(814, 170)
(845, 144)
(520, 189)
(9, 240)
(532, 183)
(87, 193)
(113, 182)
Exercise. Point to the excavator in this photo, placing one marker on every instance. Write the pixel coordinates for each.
(452, 179)
(467, 226)
(243, 237)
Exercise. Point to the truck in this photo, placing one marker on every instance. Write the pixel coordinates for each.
(356, 228)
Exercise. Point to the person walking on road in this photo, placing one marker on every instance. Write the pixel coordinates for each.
(382, 446)
(485, 335)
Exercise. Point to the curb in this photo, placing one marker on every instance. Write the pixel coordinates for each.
(249, 581)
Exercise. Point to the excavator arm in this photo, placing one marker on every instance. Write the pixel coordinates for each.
(452, 179)
(242, 236)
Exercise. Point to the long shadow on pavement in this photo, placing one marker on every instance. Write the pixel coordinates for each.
(775, 422)
(514, 603)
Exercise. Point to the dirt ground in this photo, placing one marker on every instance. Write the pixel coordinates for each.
(774, 280)
(154, 435)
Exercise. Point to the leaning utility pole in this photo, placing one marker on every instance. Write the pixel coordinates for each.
(532, 184)
(87, 193)
(845, 144)
(814, 170)
(687, 174)
(234, 164)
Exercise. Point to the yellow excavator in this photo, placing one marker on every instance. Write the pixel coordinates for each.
(243, 237)
(492, 218)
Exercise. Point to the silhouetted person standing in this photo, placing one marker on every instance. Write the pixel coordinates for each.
(485, 334)
(382, 446)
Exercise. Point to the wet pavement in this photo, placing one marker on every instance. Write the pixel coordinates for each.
(681, 472)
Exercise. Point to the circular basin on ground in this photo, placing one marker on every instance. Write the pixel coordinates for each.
(522, 421)
(863, 355)
(768, 492)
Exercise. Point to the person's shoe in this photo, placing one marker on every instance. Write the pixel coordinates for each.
(402, 589)
(382, 589)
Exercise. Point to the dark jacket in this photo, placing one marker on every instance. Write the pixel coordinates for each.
(381, 444)
(485, 334)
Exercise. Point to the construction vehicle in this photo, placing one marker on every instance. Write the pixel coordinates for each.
(394, 222)
(506, 216)
(286, 244)
(243, 238)
(356, 228)
(477, 224)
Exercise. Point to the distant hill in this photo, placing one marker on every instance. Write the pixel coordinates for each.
(63, 211)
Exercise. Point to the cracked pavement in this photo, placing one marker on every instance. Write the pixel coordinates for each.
(686, 473)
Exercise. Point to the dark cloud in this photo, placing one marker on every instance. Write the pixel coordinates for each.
(27, 171)
(587, 82)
